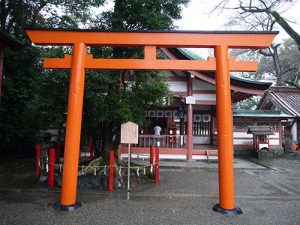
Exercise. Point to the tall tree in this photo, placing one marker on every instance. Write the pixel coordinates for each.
(272, 9)
(22, 104)
(129, 93)
(289, 59)
(110, 97)
(15, 15)
(252, 16)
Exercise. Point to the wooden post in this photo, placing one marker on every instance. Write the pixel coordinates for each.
(51, 168)
(190, 144)
(38, 160)
(225, 134)
(190, 131)
(111, 170)
(157, 166)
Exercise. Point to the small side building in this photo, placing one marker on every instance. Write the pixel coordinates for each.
(245, 119)
(287, 100)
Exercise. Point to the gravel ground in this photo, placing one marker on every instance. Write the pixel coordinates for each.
(184, 196)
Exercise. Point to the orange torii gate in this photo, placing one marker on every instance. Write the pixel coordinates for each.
(221, 41)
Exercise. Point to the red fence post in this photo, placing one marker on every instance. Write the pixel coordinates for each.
(51, 168)
(111, 170)
(38, 160)
(57, 153)
(151, 154)
(92, 150)
(157, 166)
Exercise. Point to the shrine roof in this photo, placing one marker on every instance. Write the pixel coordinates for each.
(260, 114)
(285, 98)
(183, 54)
(260, 130)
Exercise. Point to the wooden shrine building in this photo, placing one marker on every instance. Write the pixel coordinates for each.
(173, 120)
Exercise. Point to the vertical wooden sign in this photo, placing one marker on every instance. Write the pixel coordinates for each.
(129, 135)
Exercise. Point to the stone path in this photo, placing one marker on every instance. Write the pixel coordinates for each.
(185, 195)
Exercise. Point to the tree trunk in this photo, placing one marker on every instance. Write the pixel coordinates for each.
(107, 134)
(107, 145)
(278, 69)
(288, 29)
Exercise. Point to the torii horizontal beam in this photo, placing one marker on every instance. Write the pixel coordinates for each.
(169, 39)
(150, 41)
(148, 64)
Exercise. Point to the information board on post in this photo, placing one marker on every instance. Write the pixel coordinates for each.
(129, 135)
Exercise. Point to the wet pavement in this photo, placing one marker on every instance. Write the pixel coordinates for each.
(239, 163)
(268, 192)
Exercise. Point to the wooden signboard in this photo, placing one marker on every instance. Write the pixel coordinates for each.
(129, 133)
(190, 100)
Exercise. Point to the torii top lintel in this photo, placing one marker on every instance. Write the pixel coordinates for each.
(150, 40)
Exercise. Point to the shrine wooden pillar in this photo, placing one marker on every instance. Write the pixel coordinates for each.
(189, 121)
(73, 130)
(189, 131)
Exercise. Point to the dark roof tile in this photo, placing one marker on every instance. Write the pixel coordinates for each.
(287, 99)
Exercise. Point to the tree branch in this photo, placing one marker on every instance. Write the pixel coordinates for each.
(264, 53)
(290, 31)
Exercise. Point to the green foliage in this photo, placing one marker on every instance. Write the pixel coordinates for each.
(35, 98)
(17, 15)
(142, 14)
(128, 93)
(18, 124)
(32, 97)
(103, 105)
(51, 93)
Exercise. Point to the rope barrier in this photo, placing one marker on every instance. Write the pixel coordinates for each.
(60, 167)
(48, 164)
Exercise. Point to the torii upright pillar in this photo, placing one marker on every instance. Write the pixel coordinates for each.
(225, 134)
(74, 117)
